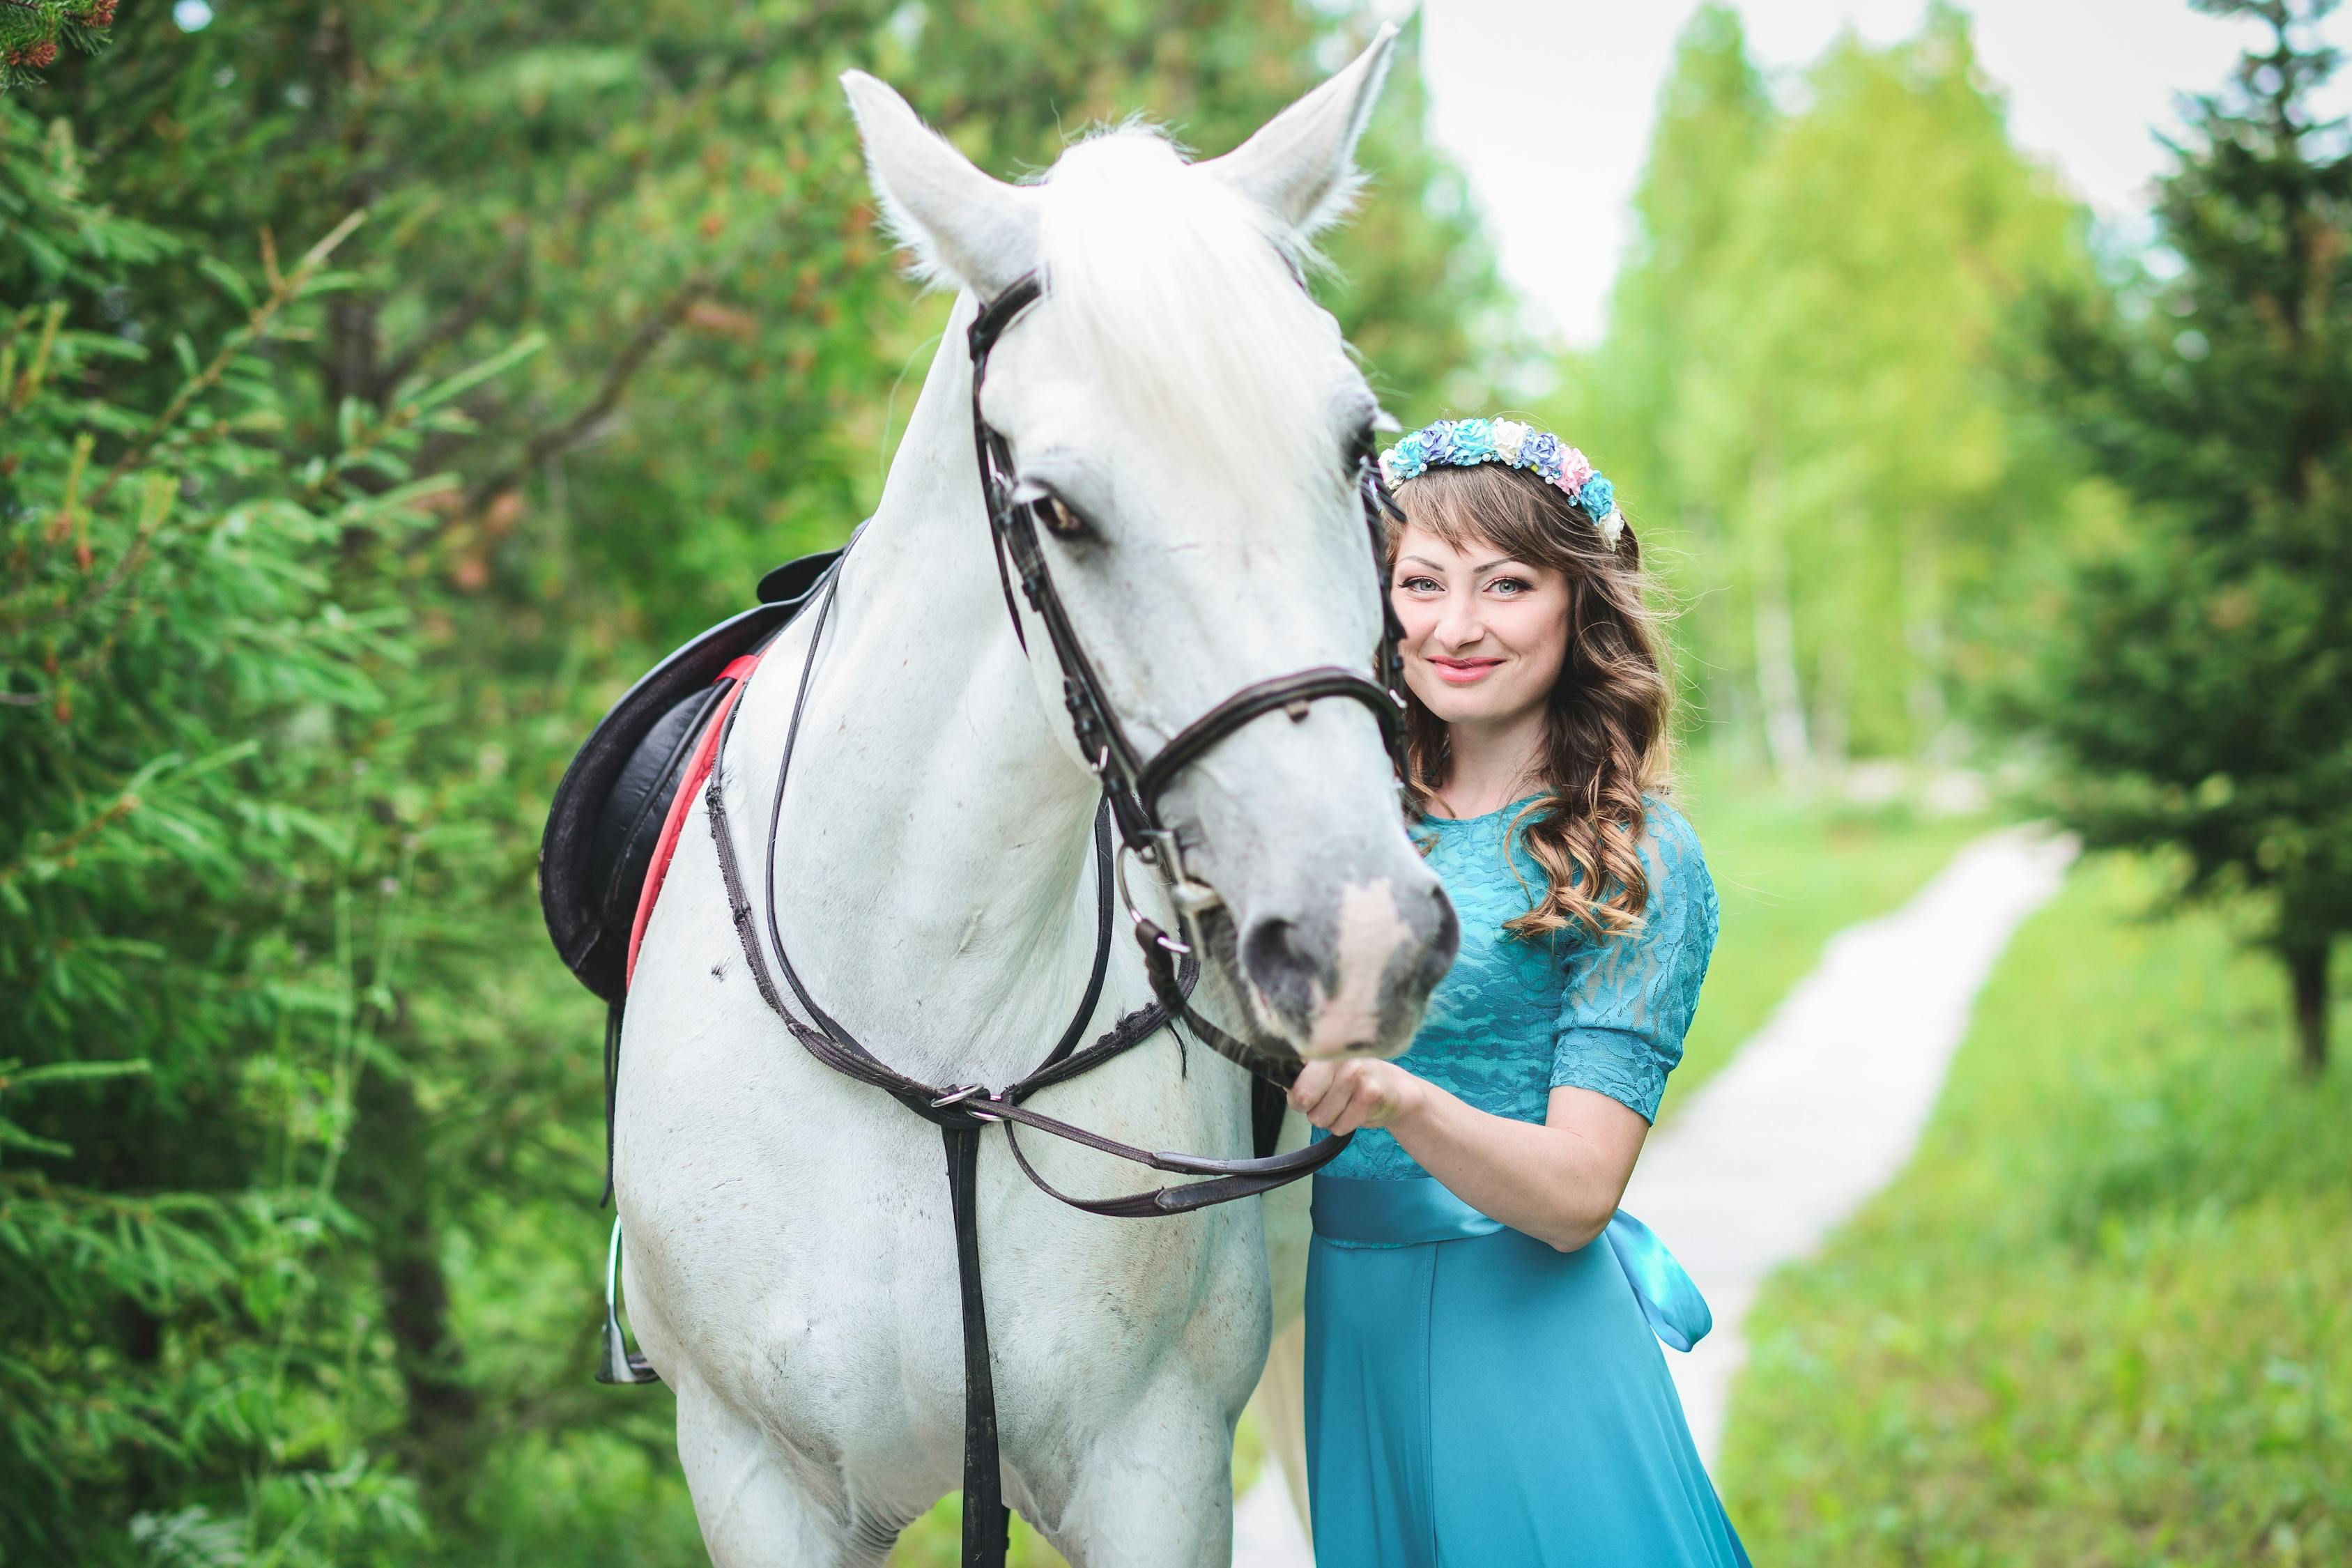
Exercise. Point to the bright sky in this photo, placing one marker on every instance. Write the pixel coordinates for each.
(1554, 87)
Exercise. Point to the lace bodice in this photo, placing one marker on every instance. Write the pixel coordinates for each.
(1515, 1018)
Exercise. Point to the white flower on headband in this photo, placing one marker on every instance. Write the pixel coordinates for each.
(1509, 434)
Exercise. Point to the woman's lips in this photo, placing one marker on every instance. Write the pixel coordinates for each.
(1462, 672)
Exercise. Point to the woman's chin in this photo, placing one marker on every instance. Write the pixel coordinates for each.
(1476, 703)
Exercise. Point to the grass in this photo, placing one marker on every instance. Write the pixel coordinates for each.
(2106, 1316)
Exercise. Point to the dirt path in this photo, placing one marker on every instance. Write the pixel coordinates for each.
(1822, 1105)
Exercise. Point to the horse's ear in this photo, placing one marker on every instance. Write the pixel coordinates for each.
(963, 226)
(1301, 164)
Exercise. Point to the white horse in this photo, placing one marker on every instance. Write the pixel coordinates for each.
(790, 1267)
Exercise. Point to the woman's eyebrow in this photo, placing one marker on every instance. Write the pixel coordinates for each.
(1475, 571)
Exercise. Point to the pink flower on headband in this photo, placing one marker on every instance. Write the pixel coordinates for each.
(1575, 467)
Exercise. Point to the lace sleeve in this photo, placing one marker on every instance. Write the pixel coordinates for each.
(1629, 999)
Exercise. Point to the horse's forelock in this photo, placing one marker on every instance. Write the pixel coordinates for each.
(1178, 291)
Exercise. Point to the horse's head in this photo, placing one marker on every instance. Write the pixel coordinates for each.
(1196, 420)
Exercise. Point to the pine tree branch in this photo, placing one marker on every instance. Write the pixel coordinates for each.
(288, 288)
(255, 326)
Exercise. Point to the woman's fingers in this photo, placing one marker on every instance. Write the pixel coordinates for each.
(1356, 1113)
(1311, 1094)
(1308, 1087)
(1325, 1096)
(1342, 1097)
(1333, 1101)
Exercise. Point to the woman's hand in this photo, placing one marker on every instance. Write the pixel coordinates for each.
(1340, 1097)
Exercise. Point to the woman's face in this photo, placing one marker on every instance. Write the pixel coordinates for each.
(1485, 635)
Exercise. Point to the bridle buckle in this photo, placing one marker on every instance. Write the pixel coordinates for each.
(959, 1096)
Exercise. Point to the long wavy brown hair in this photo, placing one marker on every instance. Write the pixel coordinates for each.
(1605, 745)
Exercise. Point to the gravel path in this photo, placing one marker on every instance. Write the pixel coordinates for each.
(1818, 1111)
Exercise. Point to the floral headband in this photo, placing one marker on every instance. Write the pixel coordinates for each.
(1466, 443)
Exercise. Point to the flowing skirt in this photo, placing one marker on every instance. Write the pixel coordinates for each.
(1483, 1400)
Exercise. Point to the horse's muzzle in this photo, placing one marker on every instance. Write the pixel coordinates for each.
(1345, 969)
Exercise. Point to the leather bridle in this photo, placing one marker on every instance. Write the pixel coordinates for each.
(1132, 786)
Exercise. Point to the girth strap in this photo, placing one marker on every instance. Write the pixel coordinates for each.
(987, 1524)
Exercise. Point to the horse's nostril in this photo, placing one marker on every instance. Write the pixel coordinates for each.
(1285, 975)
(1444, 937)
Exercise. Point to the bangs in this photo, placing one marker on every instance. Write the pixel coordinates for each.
(1509, 509)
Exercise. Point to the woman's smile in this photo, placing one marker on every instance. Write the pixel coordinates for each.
(1462, 672)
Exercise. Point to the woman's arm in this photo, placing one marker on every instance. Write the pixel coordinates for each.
(1559, 1182)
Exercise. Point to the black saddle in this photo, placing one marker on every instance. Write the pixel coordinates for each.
(608, 812)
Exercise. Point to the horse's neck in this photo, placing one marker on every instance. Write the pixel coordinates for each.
(933, 879)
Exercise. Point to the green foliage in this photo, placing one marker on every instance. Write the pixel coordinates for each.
(33, 33)
(195, 633)
(1798, 393)
(2195, 683)
(318, 566)
(2102, 1318)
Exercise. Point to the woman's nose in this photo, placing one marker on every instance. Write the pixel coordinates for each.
(1458, 622)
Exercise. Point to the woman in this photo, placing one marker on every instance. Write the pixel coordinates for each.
(1484, 1386)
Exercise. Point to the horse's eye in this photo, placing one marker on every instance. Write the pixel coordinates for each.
(1059, 520)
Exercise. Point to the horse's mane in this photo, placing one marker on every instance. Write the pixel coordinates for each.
(1182, 292)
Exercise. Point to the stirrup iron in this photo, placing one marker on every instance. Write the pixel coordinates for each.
(618, 1363)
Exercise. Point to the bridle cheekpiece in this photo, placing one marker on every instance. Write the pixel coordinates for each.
(1132, 783)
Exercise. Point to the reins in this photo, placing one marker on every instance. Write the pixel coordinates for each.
(1131, 790)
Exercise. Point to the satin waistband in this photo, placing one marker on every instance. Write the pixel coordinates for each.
(1354, 1211)
(1392, 1214)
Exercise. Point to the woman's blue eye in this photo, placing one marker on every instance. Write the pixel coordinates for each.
(1417, 585)
(1511, 587)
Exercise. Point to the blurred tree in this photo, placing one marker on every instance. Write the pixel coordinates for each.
(2196, 677)
(1626, 399)
(1803, 352)
(202, 908)
(373, 1093)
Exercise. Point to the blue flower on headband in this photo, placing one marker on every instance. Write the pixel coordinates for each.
(1474, 442)
(1408, 460)
(1540, 452)
(1599, 496)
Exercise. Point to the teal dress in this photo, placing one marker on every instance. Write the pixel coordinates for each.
(1474, 1398)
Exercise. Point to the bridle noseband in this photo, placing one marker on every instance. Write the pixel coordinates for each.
(1132, 786)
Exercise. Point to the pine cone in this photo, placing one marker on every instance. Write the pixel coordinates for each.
(100, 14)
